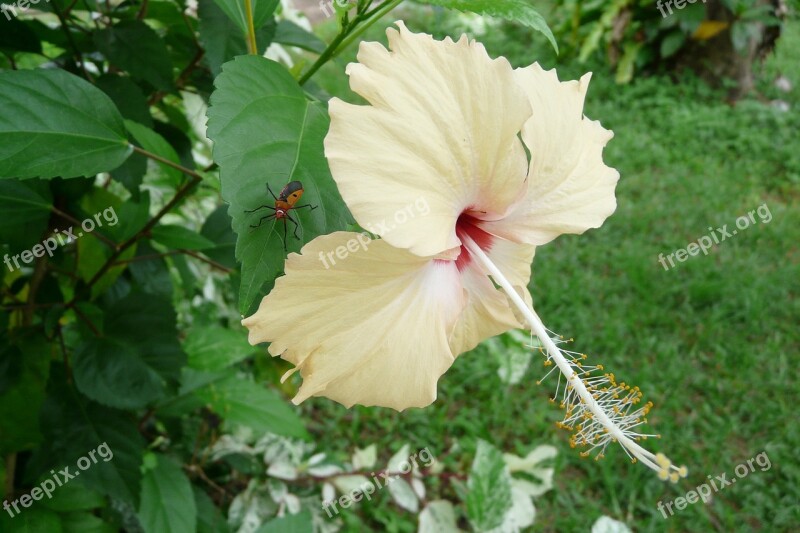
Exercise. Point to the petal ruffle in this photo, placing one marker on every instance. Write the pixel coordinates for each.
(441, 131)
(371, 329)
(570, 189)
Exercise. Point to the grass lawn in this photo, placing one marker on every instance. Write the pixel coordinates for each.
(713, 342)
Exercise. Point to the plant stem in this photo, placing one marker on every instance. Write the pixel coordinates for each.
(371, 18)
(349, 33)
(252, 47)
(324, 57)
(176, 166)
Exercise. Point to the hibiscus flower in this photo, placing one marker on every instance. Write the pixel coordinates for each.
(505, 161)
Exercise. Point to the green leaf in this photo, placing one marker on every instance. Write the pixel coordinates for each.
(31, 520)
(179, 238)
(223, 39)
(131, 174)
(217, 228)
(24, 369)
(167, 502)
(133, 46)
(291, 34)
(147, 324)
(517, 10)
(55, 124)
(438, 517)
(489, 485)
(627, 64)
(74, 497)
(151, 273)
(209, 517)
(132, 104)
(114, 374)
(266, 131)
(85, 523)
(155, 143)
(118, 220)
(18, 37)
(291, 523)
(672, 43)
(234, 9)
(138, 356)
(132, 216)
(216, 348)
(175, 132)
(592, 42)
(74, 426)
(127, 96)
(93, 254)
(691, 17)
(26, 207)
(244, 403)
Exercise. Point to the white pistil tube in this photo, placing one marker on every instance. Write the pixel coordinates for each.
(611, 430)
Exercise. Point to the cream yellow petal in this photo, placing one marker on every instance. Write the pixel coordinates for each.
(488, 312)
(440, 131)
(371, 328)
(570, 189)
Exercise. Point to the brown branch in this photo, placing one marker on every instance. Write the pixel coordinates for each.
(197, 471)
(70, 7)
(183, 77)
(179, 195)
(88, 322)
(77, 222)
(11, 466)
(64, 355)
(30, 305)
(39, 272)
(190, 253)
(18, 306)
(77, 56)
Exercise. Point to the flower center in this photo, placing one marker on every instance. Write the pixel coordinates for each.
(467, 225)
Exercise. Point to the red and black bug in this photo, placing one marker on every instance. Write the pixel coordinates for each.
(284, 202)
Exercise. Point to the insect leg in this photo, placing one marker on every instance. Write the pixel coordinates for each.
(262, 207)
(262, 221)
(296, 226)
(272, 193)
(307, 205)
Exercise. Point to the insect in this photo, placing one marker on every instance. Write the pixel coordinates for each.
(284, 202)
